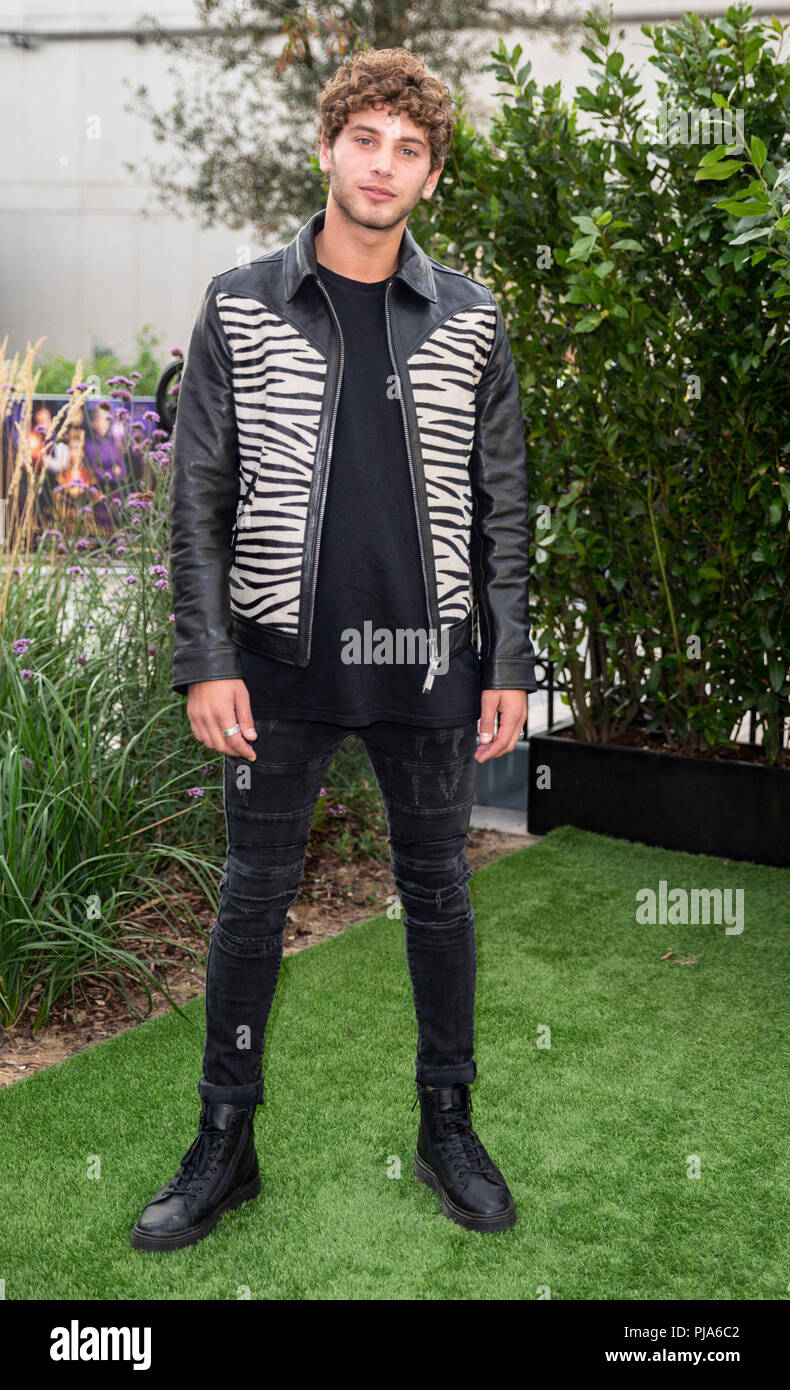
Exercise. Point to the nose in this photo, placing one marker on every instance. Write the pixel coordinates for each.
(382, 164)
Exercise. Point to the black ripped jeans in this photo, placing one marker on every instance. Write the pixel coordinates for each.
(427, 780)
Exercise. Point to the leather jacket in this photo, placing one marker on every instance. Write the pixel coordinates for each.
(252, 448)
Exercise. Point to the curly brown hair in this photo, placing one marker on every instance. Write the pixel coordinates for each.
(393, 77)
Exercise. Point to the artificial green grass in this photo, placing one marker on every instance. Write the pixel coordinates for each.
(652, 1064)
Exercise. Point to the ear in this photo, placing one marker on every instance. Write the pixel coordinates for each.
(430, 187)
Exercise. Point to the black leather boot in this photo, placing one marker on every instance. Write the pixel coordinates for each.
(451, 1159)
(218, 1172)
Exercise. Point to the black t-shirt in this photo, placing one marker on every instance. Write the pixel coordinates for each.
(369, 563)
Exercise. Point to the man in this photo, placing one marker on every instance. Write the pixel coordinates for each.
(348, 469)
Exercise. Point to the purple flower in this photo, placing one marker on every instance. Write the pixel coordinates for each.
(28, 763)
(21, 645)
(78, 571)
(172, 618)
(25, 674)
(82, 544)
(161, 584)
(196, 792)
(75, 482)
(150, 415)
(176, 352)
(131, 579)
(136, 376)
(159, 569)
(151, 649)
(81, 659)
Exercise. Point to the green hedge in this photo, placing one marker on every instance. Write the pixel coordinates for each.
(645, 285)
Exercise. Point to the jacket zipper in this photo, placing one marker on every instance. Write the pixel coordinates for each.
(481, 595)
(325, 479)
(431, 606)
(240, 522)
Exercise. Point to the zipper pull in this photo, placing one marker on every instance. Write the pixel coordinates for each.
(433, 664)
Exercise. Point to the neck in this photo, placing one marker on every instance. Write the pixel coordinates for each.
(360, 253)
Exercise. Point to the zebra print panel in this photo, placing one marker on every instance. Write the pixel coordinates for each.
(278, 386)
(444, 373)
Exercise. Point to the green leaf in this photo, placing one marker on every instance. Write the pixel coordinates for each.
(759, 152)
(719, 100)
(603, 269)
(719, 171)
(627, 244)
(713, 156)
(776, 675)
(750, 207)
(582, 248)
(585, 224)
(588, 323)
(614, 62)
(750, 236)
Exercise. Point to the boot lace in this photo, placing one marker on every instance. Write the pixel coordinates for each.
(200, 1159)
(454, 1131)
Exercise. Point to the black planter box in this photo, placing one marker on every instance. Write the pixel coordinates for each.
(734, 810)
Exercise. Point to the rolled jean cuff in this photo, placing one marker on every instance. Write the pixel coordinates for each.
(464, 1072)
(249, 1094)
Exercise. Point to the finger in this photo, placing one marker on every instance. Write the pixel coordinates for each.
(234, 744)
(244, 713)
(510, 725)
(488, 709)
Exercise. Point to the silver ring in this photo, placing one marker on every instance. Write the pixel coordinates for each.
(229, 732)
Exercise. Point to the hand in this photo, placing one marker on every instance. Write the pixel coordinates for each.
(512, 706)
(216, 705)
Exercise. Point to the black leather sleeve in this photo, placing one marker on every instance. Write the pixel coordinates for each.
(499, 541)
(204, 491)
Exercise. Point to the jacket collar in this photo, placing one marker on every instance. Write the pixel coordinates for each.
(300, 260)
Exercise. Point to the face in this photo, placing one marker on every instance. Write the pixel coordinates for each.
(379, 150)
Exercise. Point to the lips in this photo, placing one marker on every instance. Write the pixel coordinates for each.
(378, 192)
